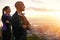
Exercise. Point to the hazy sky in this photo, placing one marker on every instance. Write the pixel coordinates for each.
(36, 8)
(33, 5)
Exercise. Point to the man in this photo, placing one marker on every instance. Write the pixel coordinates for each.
(19, 22)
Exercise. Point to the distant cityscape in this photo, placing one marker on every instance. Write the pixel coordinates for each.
(49, 33)
(44, 30)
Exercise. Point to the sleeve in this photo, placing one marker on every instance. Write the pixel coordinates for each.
(27, 23)
(4, 18)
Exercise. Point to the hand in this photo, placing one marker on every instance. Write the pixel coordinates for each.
(28, 27)
(24, 26)
(7, 21)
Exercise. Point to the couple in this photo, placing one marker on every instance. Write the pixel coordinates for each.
(18, 21)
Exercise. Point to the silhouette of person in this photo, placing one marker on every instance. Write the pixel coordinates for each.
(6, 20)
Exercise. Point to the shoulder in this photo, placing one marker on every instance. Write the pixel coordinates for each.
(14, 16)
(4, 16)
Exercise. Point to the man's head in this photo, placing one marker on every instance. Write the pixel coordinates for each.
(20, 5)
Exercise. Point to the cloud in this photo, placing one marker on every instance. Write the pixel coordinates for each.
(37, 1)
(42, 9)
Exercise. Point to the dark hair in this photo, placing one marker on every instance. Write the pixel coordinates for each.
(16, 4)
(5, 8)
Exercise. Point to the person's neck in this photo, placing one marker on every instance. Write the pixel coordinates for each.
(7, 13)
(19, 11)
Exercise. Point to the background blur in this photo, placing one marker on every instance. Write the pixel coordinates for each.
(44, 15)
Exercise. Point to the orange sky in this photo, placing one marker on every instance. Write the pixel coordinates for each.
(48, 9)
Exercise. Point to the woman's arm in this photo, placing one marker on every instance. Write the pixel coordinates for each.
(4, 19)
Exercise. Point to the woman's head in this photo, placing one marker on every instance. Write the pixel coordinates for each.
(6, 10)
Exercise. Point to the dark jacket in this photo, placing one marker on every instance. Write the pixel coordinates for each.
(6, 29)
(6, 26)
(17, 27)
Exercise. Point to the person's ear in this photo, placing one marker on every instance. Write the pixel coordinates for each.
(4, 11)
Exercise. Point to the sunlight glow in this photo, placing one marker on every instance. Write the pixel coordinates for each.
(44, 15)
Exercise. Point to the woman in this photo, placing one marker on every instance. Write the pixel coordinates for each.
(6, 29)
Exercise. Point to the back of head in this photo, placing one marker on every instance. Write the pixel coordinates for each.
(5, 8)
(18, 3)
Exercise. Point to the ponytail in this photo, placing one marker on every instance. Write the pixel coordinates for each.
(5, 8)
(3, 11)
